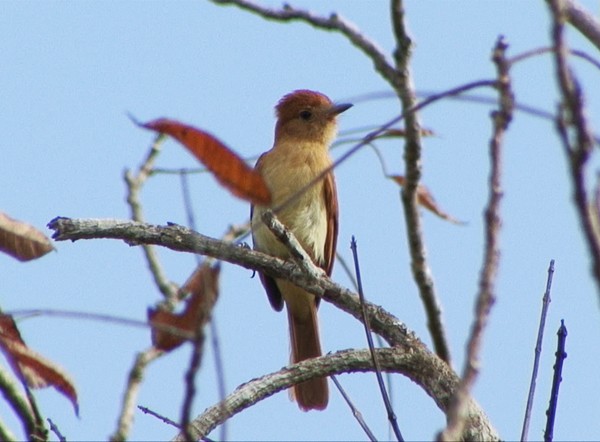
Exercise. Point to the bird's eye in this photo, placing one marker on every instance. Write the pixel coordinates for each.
(306, 115)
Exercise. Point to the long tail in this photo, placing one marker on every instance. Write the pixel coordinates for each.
(304, 336)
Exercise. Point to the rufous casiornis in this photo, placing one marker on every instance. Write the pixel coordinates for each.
(306, 126)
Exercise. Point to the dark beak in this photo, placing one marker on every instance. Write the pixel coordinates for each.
(339, 108)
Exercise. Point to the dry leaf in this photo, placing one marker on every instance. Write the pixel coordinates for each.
(229, 169)
(21, 240)
(203, 288)
(425, 199)
(35, 370)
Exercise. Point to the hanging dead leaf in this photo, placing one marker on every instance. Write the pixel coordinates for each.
(425, 199)
(35, 370)
(170, 330)
(21, 240)
(229, 169)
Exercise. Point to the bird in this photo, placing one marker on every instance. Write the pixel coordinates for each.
(305, 128)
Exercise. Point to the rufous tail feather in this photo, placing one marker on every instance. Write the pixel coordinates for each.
(305, 343)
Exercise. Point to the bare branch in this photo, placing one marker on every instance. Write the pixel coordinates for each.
(412, 160)
(561, 354)
(134, 184)
(537, 353)
(384, 394)
(355, 411)
(131, 393)
(431, 373)
(575, 134)
(181, 239)
(585, 22)
(486, 297)
(332, 23)
(160, 417)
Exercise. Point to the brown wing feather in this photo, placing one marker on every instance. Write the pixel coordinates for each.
(268, 283)
(331, 206)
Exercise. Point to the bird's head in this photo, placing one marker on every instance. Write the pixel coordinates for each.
(305, 115)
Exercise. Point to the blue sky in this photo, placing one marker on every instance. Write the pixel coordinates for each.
(72, 70)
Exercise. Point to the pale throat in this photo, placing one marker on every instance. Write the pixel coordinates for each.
(292, 168)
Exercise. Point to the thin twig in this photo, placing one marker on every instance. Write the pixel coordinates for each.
(56, 430)
(382, 389)
(134, 383)
(560, 358)
(548, 50)
(355, 411)
(486, 297)
(27, 313)
(469, 98)
(538, 351)
(209, 292)
(159, 416)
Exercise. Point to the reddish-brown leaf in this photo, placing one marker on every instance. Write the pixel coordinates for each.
(35, 370)
(425, 199)
(21, 240)
(229, 169)
(170, 330)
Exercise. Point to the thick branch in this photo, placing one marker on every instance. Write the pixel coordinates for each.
(181, 239)
(436, 378)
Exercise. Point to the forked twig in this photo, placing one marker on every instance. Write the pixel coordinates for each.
(134, 184)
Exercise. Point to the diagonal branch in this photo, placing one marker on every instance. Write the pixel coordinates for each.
(585, 22)
(182, 239)
(332, 23)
